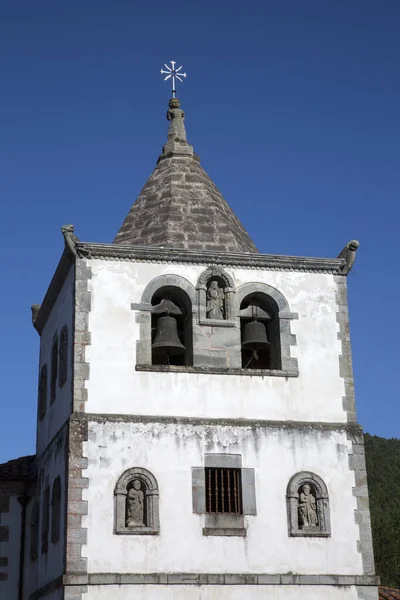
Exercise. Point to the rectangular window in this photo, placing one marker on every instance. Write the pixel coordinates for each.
(54, 369)
(223, 489)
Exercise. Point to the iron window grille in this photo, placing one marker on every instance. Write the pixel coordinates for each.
(223, 491)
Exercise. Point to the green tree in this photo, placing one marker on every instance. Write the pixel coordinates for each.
(383, 468)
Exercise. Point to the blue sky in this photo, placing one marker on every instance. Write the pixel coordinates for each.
(292, 106)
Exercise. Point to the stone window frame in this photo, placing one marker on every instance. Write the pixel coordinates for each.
(289, 365)
(151, 498)
(223, 524)
(322, 502)
(56, 511)
(144, 308)
(42, 392)
(63, 357)
(214, 272)
(54, 368)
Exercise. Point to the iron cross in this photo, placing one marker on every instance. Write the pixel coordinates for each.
(174, 74)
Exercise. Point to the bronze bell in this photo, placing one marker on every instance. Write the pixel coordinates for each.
(167, 340)
(255, 336)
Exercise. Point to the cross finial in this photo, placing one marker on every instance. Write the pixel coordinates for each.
(173, 73)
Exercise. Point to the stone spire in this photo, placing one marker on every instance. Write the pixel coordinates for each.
(179, 206)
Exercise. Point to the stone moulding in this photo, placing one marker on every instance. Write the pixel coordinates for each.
(234, 259)
(366, 581)
(218, 371)
(351, 428)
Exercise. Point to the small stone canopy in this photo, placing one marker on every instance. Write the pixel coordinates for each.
(179, 206)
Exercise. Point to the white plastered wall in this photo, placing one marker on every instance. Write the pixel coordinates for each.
(169, 452)
(115, 386)
(52, 465)
(61, 314)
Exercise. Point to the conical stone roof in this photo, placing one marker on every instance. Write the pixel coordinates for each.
(179, 206)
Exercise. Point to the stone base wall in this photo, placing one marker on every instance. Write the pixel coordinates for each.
(230, 592)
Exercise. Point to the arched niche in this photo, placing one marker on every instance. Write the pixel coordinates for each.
(216, 290)
(173, 303)
(184, 292)
(308, 506)
(276, 317)
(165, 281)
(136, 503)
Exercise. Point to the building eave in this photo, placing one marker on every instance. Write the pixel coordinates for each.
(271, 262)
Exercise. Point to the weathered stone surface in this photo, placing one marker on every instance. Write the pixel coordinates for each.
(180, 207)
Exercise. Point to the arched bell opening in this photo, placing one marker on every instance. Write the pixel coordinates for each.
(171, 327)
(260, 332)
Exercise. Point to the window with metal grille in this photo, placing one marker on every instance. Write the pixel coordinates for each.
(224, 491)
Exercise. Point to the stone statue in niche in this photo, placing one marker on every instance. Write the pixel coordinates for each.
(135, 506)
(308, 516)
(215, 307)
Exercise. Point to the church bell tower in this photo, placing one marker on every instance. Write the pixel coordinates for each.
(205, 435)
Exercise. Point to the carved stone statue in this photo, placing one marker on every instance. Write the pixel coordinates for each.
(71, 241)
(215, 301)
(176, 116)
(307, 508)
(176, 141)
(135, 506)
(349, 255)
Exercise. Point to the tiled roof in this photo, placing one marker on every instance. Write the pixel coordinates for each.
(180, 206)
(19, 469)
(388, 593)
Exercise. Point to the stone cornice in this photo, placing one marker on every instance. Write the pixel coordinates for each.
(247, 260)
(248, 579)
(351, 428)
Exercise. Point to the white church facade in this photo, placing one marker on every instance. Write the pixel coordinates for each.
(196, 433)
